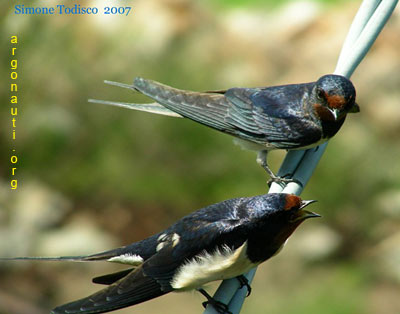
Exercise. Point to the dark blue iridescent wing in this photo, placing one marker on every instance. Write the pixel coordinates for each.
(263, 115)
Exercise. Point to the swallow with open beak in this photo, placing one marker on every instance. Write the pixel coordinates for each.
(221, 241)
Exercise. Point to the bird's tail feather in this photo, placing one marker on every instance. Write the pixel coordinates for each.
(210, 109)
(120, 84)
(151, 107)
(103, 256)
(83, 258)
(131, 290)
(111, 278)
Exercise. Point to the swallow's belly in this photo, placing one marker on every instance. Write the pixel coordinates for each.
(244, 144)
(321, 141)
(204, 268)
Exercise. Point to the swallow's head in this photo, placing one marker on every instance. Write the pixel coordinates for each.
(333, 97)
(292, 208)
(287, 215)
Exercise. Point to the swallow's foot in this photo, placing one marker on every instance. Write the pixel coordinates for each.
(218, 306)
(282, 180)
(262, 161)
(244, 283)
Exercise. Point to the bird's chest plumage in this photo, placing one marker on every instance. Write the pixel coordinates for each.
(259, 249)
(221, 264)
(330, 128)
(328, 124)
(266, 240)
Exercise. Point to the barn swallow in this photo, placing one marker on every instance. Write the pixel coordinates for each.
(217, 242)
(294, 116)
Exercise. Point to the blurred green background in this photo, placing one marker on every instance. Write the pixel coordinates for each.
(92, 177)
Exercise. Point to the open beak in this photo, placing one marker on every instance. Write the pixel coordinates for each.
(303, 214)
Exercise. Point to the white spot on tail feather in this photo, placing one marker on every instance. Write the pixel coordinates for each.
(205, 267)
(160, 246)
(161, 237)
(129, 259)
(165, 239)
(175, 239)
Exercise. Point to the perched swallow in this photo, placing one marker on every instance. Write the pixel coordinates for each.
(287, 117)
(217, 242)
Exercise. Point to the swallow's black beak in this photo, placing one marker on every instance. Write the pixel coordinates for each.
(305, 203)
(305, 214)
(355, 108)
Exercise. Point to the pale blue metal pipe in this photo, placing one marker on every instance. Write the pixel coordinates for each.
(361, 19)
(366, 38)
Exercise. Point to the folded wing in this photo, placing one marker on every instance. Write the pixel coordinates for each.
(267, 116)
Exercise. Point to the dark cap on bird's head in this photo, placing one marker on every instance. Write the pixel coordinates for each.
(337, 94)
(283, 212)
(293, 208)
(290, 204)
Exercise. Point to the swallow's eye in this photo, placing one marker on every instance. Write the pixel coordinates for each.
(320, 94)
